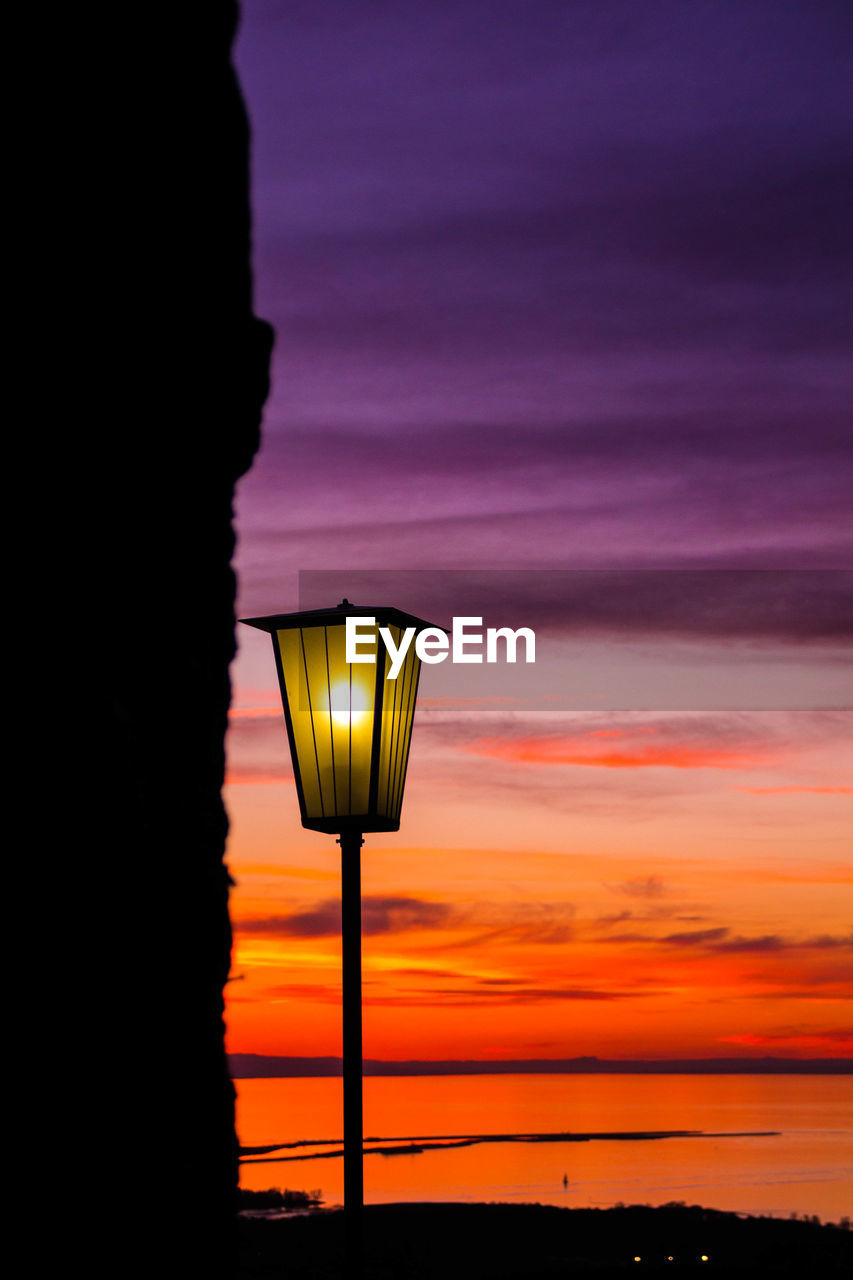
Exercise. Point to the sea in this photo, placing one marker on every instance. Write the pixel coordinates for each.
(759, 1144)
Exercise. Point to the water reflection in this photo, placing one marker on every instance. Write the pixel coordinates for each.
(807, 1168)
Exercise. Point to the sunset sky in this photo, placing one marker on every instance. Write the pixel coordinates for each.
(562, 298)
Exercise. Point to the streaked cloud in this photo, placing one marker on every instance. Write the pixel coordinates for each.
(570, 293)
(554, 749)
(721, 940)
(797, 790)
(379, 914)
(640, 887)
(546, 923)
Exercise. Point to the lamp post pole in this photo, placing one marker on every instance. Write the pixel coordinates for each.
(351, 843)
(349, 726)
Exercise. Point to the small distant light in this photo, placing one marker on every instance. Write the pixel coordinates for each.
(637, 1258)
(704, 1258)
(670, 1258)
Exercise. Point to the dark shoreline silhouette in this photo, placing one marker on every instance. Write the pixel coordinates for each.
(448, 1142)
(257, 1066)
(538, 1242)
(285, 1200)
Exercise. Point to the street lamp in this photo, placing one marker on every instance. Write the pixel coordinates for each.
(349, 725)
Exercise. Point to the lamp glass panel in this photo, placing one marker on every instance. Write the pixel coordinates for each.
(296, 687)
(352, 694)
(398, 707)
(331, 704)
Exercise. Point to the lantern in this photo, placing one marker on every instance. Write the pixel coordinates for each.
(349, 724)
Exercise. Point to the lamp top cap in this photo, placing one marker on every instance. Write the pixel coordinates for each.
(384, 614)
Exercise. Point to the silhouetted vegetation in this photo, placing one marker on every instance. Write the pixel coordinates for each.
(541, 1242)
(273, 1198)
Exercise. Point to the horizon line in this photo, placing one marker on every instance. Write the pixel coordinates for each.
(248, 1066)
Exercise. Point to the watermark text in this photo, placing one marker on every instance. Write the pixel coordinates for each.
(464, 644)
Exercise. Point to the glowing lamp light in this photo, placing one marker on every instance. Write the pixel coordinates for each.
(349, 726)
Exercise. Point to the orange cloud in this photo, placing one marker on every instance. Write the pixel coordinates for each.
(486, 922)
(839, 1040)
(795, 790)
(624, 733)
(576, 751)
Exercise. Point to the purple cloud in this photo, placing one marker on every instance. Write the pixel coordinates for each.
(640, 887)
(557, 289)
(379, 914)
(544, 923)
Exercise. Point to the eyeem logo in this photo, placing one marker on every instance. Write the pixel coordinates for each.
(434, 645)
